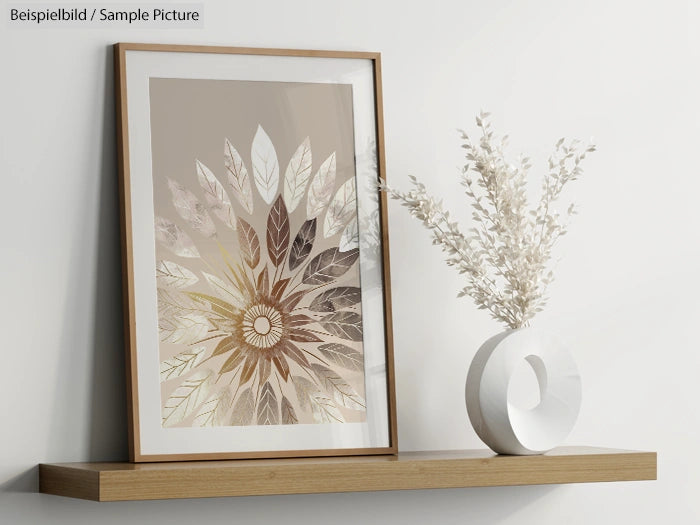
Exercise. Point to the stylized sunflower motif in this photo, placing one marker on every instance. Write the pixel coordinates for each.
(276, 335)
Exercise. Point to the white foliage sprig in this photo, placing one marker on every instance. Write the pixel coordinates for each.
(506, 255)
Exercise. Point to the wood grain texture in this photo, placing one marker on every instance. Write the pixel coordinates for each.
(407, 470)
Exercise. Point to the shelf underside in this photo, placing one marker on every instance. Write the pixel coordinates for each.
(407, 470)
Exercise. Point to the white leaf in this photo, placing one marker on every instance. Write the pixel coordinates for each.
(266, 169)
(322, 407)
(183, 328)
(215, 195)
(238, 176)
(211, 412)
(172, 274)
(297, 175)
(350, 238)
(187, 397)
(342, 208)
(191, 210)
(174, 239)
(226, 291)
(181, 363)
(321, 188)
(343, 394)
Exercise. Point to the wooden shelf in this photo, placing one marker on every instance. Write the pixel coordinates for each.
(408, 470)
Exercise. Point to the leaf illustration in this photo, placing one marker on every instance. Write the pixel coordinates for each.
(299, 320)
(324, 410)
(343, 356)
(212, 411)
(181, 363)
(232, 362)
(342, 208)
(282, 366)
(249, 243)
(336, 298)
(303, 243)
(264, 369)
(295, 354)
(322, 407)
(238, 177)
(304, 390)
(329, 265)
(266, 169)
(229, 292)
(264, 282)
(244, 409)
(248, 369)
(174, 239)
(268, 410)
(223, 346)
(216, 196)
(343, 394)
(292, 300)
(346, 325)
(174, 303)
(278, 232)
(219, 306)
(186, 398)
(350, 238)
(279, 288)
(321, 188)
(172, 274)
(297, 175)
(303, 336)
(183, 328)
(191, 210)
(289, 416)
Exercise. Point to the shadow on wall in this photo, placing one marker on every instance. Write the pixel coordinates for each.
(108, 423)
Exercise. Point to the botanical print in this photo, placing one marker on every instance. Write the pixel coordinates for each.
(259, 297)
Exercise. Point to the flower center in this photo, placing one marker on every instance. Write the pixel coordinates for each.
(262, 326)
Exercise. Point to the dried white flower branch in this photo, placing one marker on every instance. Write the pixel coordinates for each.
(506, 255)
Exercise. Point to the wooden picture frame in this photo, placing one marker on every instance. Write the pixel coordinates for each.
(255, 254)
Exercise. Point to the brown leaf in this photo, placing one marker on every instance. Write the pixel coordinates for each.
(346, 325)
(336, 298)
(329, 265)
(226, 344)
(282, 366)
(249, 243)
(303, 336)
(303, 243)
(264, 368)
(263, 282)
(278, 232)
(290, 302)
(289, 416)
(343, 356)
(299, 320)
(268, 410)
(279, 288)
(295, 354)
(248, 369)
(232, 362)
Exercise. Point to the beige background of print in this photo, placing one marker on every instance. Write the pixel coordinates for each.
(190, 119)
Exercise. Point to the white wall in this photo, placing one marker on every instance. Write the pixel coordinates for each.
(625, 299)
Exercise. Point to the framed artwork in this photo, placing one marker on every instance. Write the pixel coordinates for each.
(255, 256)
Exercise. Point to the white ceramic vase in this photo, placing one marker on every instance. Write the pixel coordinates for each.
(505, 428)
